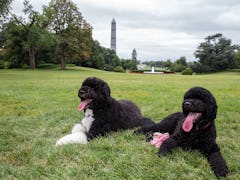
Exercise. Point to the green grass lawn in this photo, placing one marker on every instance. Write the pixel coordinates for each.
(38, 107)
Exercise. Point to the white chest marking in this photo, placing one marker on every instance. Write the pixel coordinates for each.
(88, 119)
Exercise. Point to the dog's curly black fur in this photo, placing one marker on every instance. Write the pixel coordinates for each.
(109, 114)
(201, 136)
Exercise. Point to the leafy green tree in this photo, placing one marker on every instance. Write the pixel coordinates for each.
(16, 44)
(182, 61)
(119, 69)
(179, 65)
(96, 59)
(151, 63)
(73, 32)
(168, 64)
(187, 71)
(4, 6)
(13, 51)
(216, 53)
(101, 58)
(111, 60)
(33, 34)
(2, 36)
(4, 10)
(129, 64)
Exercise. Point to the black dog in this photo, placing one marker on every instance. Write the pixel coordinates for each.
(102, 113)
(194, 128)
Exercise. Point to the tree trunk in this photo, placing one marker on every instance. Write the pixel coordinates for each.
(63, 62)
(32, 63)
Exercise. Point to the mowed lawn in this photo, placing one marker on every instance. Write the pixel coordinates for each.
(38, 107)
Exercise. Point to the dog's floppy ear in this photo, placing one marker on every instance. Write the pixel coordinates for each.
(105, 91)
(102, 87)
(212, 105)
(88, 82)
(99, 85)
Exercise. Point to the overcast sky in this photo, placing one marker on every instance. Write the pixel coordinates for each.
(157, 29)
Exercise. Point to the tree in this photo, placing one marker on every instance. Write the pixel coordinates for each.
(168, 64)
(4, 6)
(216, 53)
(73, 32)
(179, 65)
(4, 10)
(14, 36)
(96, 59)
(32, 33)
(111, 59)
(129, 64)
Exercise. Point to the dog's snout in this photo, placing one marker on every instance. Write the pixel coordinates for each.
(81, 92)
(187, 104)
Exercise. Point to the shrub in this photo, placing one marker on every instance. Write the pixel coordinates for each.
(47, 66)
(5, 64)
(137, 71)
(118, 69)
(25, 66)
(187, 71)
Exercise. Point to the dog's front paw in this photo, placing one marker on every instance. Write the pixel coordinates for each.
(137, 131)
(149, 137)
(167, 147)
(218, 164)
(142, 130)
(163, 152)
(221, 172)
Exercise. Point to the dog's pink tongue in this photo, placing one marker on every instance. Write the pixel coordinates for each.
(83, 104)
(190, 119)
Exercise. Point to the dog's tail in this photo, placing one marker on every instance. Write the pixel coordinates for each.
(146, 121)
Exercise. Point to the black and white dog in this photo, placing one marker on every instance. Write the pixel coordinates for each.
(102, 113)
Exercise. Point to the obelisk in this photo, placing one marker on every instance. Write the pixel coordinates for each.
(113, 35)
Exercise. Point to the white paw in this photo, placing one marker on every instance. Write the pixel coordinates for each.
(76, 138)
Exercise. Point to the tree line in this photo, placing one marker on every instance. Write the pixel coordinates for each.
(215, 54)
(58, 35)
